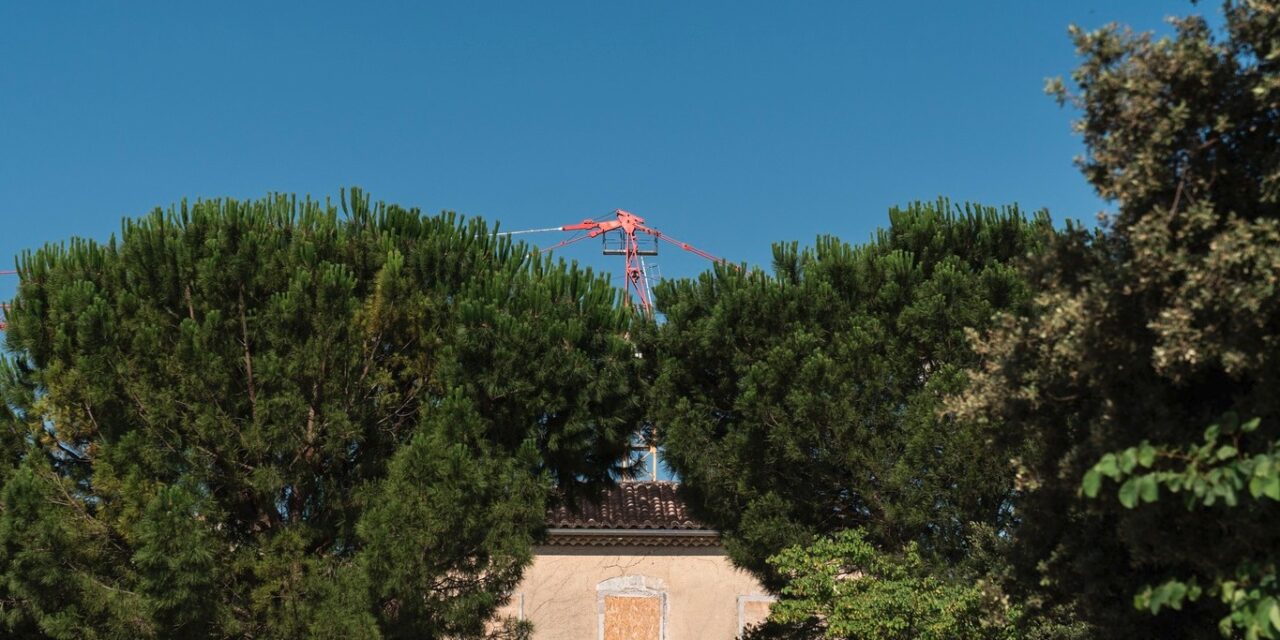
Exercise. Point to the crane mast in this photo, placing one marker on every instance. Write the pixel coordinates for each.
(629, 230)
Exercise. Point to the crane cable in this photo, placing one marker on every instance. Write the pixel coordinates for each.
(516, 233)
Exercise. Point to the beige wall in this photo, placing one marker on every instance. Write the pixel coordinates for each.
(696, 591)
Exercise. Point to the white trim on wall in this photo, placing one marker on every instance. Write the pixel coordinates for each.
(742, 607)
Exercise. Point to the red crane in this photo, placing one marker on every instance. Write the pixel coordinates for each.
(622, 236)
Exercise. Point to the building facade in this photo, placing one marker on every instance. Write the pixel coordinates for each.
(635, 567)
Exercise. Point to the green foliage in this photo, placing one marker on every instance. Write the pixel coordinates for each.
(1211, 471)
(847, 589)
(174, 559)
(44, 555)
(273, 419)
(1148, 328)
(1181, 119)
(1208, 473)
(802, 403)
(448, 464)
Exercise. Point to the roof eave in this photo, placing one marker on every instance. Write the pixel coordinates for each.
(638, 533)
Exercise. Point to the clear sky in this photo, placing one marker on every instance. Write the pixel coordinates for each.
(729, 125)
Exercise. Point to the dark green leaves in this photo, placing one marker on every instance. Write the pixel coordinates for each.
(1156, 324)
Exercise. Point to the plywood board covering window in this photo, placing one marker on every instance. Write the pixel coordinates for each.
(632, 617)
(632, 607)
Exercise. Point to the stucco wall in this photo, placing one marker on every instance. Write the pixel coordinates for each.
(699, 594)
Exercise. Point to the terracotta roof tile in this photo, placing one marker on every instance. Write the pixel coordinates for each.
(630, 505)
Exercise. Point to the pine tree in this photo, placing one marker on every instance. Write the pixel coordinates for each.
(277, 419)
(806, 402)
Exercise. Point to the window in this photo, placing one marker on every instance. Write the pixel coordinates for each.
(632, 608)
(633, 618)
(752, 610)
(646, 460)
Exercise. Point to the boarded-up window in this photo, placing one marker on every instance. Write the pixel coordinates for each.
(632, 617)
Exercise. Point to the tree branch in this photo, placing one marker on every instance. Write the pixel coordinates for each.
(248, 359)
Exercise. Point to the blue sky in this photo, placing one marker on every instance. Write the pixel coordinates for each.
(729, 125)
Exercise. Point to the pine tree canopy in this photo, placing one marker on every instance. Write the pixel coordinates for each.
(806, 401)
(275, 419)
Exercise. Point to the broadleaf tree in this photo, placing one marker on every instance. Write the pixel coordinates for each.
(842, 586)
(279, 419)
(1219, 471)
(1148, 328)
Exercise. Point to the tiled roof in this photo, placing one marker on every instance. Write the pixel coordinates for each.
(630, 505)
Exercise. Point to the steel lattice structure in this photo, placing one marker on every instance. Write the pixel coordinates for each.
(627, 230)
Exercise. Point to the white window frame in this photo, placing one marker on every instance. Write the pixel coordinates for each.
(742, 608)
